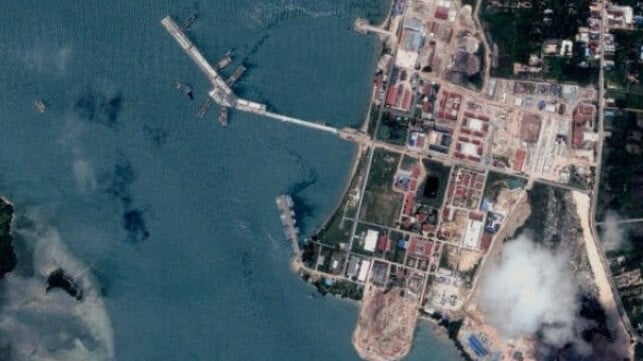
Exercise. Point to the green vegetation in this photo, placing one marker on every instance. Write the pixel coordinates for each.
(567, 70)
(309, 251)
(444, 258)
(395, 254)
(408, 162)
(372, 119)
(632, 259)
(393, 129)
(476, 81)
(627, 73)
(521, 31)
(383, 168)
(7, 256)
(498, 181)
(381, 204)
(621, 188)
(625, 99)
(337, 231)
(341, 289)
(544, 199)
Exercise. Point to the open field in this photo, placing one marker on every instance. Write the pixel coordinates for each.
(338, 231)
(381, 208)
(381, 204)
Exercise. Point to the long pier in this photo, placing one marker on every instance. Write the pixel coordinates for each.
(221, 93)
(260, 109)
(285, 205)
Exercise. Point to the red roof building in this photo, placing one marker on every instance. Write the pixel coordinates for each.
(441, 13)
(519, 160)
(406, 100)
(391, 96)
(382, 243)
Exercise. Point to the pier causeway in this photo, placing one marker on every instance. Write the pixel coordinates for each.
(224, 96)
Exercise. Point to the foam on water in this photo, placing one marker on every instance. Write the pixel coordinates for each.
(39, 325)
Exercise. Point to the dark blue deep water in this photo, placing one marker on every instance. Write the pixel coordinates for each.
(168, 221)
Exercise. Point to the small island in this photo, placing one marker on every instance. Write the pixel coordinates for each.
(59, 279)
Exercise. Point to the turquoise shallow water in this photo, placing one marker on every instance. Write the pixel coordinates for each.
(169, 221)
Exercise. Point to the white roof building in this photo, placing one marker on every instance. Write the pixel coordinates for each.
(472, 233)
(363, 271)
(371, 240)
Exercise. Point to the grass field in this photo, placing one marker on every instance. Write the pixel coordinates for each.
(381, 207)
(338, 231)
(381, 204)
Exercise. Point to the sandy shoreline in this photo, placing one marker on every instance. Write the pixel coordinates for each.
(605, 294)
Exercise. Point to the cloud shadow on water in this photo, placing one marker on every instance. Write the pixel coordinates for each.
(98, 107)
(132, 218)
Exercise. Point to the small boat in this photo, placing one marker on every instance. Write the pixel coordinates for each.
(227, 59)
(40, 106)
(204, 108)
(190, 20)
(236, 75)
(223, 116)
(185, 89)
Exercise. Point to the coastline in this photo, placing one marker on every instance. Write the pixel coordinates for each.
(8, 258)
(443, 328)
(295, 263)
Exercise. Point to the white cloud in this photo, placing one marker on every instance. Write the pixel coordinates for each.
(531, 289)
(613, 235)
(53, 325)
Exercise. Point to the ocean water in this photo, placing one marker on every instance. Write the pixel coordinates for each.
(168, 221)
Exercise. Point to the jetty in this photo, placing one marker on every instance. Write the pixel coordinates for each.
(285, 205)
(223, 95)
(223, 116)
(225, 61)
(203, 109)
(236, 75)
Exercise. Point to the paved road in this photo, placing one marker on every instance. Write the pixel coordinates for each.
(359, 205)
(622, 221)
(595, 191)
